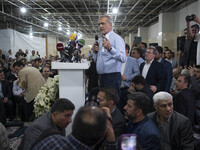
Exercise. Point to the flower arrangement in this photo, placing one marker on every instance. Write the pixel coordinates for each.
(47, 95)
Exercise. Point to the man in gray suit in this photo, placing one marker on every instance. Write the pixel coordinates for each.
(108, 98)
(175, 129)
(58, 118)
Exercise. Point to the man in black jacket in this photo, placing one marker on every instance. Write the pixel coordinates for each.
(175, 129)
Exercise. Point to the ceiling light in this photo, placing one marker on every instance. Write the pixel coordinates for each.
(46, 24)
(68, 32)
(31, 34)
(59, 28)
(115, 10)
(23, 10)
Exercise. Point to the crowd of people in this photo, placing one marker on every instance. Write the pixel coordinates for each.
(137, 90)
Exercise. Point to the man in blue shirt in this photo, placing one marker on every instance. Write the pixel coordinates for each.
(147, 133)
(109, 55)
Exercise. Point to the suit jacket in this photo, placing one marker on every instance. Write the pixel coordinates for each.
(131, 70)
(154, 74)
(37, 127)
(119, 122)
(167, 79)
(180, 131)
(185, 103)
(146, 90)
(147, 133)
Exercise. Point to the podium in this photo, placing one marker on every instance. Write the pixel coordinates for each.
(72, 84)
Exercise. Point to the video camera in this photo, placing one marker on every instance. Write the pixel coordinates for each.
(190, 18)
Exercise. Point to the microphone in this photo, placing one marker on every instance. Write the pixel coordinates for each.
(96, 40)
(60, 47)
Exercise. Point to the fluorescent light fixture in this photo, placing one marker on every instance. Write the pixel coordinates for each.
(115, 10)
(46, 24)
(23, 9)
(59, 28)
(68, 32)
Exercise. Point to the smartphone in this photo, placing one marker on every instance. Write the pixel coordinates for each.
(128, 142)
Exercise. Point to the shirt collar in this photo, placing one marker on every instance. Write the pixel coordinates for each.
(149, 63)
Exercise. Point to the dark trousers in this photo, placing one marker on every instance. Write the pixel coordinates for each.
(19, 100)
(9, 106)
(2, 113)
(29, 110)
(111, 80)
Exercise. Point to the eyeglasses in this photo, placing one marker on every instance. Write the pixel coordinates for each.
(149, 52)
(133, 52)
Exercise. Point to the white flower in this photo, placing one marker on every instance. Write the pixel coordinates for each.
(47, 95)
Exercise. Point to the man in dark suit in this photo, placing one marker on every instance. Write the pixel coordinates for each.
(184, 101)
(108, 98)
(5, 95)
(152, 70)
(167, 79)
(175, 129)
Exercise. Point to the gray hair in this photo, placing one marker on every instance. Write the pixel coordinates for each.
(108, 18)
(161, 96)
(155, 51)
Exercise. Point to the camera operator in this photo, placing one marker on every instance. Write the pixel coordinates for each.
(194, 36)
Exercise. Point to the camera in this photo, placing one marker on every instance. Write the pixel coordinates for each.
(190, 18)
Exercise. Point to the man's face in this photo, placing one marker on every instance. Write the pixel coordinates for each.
(45, 72)
(104, 25)
(62, 119)
(164, 108)
(180, 83)
(168, 54)
(102, 100)
(17, 68)
(197, 73)
(131, 110)
(2, 77)
(33, 53)
(134, 54)
(149, 55)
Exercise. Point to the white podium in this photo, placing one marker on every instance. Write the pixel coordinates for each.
(72, 84)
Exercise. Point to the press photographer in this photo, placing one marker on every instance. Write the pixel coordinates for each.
(193, 35)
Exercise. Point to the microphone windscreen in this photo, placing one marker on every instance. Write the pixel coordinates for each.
(60, 47)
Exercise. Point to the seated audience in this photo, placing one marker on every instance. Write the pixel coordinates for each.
(58, 118)
(136, 110)
(139, 84)
(90, 127)
(5, 95)
(175, 129)
(108, 98)
(184, 101)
